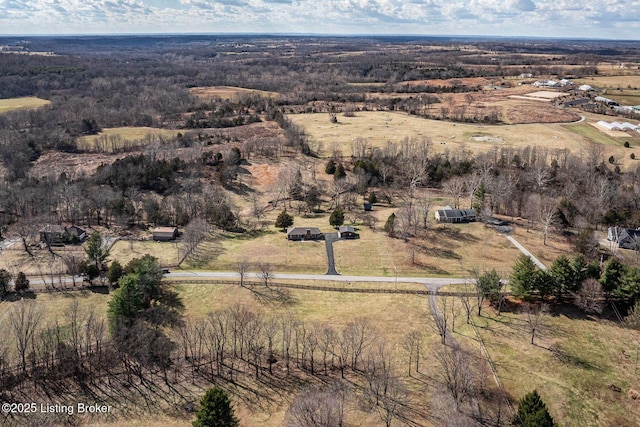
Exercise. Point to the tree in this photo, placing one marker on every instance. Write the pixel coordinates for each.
(317, 407)
(284, 220)
(589, 297)
(330, 167)
(488, 286)
(337, 217)
(215, 410)
(390, 224)
(565, 278)
(533, 412)
(339, 173)
(5, 279)
(96, 252)
(523, 277)
(611, 275)
(21, 283)
(115, 272)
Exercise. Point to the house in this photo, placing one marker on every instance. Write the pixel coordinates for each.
(585, 88)
(448, 214)
(165, 234)
(626, 238)
(304, 233)
(58, 235)
(347, 232)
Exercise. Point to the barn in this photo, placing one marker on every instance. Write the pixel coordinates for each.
(165, 234)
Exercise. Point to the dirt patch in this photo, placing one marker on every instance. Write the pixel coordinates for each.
(528, 113)
(468, 81)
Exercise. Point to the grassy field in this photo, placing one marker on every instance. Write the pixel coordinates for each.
(574, 361)
(228, 92)
(19, 103)
(120, 137)
(126, 250)
(611, 82)
(42, 264)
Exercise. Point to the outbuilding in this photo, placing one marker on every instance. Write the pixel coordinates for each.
(347, 232)
(165, 234)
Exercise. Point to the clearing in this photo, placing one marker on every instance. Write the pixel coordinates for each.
(28, 102)
(113, 139)
(228, 92)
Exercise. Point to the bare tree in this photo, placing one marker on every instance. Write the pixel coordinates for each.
(194, 233)
(265, 272)
(455, 187)
(24, 319)
(242, 267)
(547, 215)
(412, 344)
(455, 373)
(533, 319)
(590, 297)
(318, 407)
(424, 207)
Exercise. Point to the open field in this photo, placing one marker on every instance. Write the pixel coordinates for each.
(228, 92)
(118, 138)
(574, 361)
(126, 250)
(42, 264)
(611, 82)
(19, 103)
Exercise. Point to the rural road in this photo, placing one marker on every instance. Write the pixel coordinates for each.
(525, 251)
(329, 238)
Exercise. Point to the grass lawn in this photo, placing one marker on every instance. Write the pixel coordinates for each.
(574, 361)
(18, 103)
(126, 250)
(134, 136)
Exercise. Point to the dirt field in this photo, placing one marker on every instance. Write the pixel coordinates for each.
(228, 92)
(19, 103)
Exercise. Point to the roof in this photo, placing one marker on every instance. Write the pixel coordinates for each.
(303, 230)
(165, 230)
(457, 213)
(52, 228)
(346, 229)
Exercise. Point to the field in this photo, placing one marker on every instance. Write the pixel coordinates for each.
(380, 127)
(228, 92)
(112, 139)
(126, 250)
(19, 103)
(573, 363)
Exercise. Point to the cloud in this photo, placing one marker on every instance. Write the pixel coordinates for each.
(571, 18)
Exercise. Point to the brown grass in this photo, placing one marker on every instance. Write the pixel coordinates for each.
(28, 102)
(132, 135)
(228, 92)
(124, 251)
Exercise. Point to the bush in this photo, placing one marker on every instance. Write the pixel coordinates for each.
(337, 217)
(215, 410)
(626, 144)
(284, 220)
(21, 282)
(632, 156)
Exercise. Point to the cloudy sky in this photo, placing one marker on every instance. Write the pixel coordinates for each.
(612, 19)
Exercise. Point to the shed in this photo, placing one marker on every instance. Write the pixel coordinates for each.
(368, 207)
(347, 232)
(165, 234)
(303, 233)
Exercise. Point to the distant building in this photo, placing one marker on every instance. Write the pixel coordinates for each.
(165, 234)
(526, 75)
(626, 238)
(347, 232)
(585, 88)
(449, 214)
(58, 235)
(606, 101)
(303, 233)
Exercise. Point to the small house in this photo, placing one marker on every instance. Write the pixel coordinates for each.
(303, 233)
(626, 238)
(58, 235)
(165, 234)
(449, 214)
(347, 232)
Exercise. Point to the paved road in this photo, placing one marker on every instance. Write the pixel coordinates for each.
(329, 238)
(525, 251)
(432, 283)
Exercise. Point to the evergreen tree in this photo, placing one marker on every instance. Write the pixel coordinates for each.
(339, 173)
(611, 275)
(284, 220)
(490, 286)
(565, 279)
(337, 217)
(532, 412)
(96, 253)
(296, 188)
(372, 198)
(21, 283)
(312, 198)
(389, 226)
(5, 279)
(330, 168)
(523, 278)
(215, 410)
(115, 272)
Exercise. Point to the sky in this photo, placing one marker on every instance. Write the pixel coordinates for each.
(607, 19)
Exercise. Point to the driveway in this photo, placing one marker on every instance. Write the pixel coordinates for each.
(329, 238)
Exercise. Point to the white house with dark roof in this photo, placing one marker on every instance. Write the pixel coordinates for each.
(448, 214)
(626, 238)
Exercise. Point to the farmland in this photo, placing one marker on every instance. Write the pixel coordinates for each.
(29, 102)
(115, 139)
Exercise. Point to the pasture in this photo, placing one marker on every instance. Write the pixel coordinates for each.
(228, 92)
(114, 139)
(126, 250)
(574, 361)
(27, 102)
